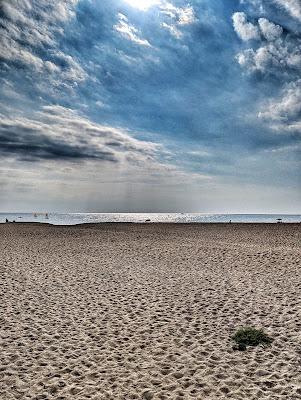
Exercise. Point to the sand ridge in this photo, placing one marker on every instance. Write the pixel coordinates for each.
(128, 311)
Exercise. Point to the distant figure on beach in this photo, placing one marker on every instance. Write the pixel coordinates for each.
(230, 222)
(279, 220)
(6, 220)
(35, 215)
(46, 216)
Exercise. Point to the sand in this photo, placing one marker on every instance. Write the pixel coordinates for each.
(147, 311)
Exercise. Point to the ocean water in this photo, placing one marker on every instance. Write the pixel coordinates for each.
(79, 218)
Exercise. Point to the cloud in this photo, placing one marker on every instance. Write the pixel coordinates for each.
(178, 17)
(58, 133)
(244, 29)
(186, 15)
(10, 50)
(183, 15)
(284, 113)
(28, 37)
(65, 67)
(275, 54)
(129, 32)
(270, 30)
(279, 59)
(173, 30)
(248, 31)
(293, 7)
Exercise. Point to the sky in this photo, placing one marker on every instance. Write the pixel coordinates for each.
(150, 106)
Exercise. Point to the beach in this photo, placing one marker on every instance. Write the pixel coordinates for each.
(148, 311)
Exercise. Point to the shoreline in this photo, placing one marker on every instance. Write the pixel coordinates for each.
(94, 224)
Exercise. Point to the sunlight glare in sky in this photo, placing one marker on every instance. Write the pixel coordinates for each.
(143, 4)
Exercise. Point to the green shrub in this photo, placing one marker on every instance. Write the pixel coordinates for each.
(250, 337)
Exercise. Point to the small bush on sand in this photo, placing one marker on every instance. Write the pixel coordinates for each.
(250, 337)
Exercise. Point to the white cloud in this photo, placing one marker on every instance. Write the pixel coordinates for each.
(275, 57)
(51, 67)
(262, 59)
(293, 7)
(10, 50)
(269, 30)
(284, 113)
(100, 104)
(244, 29)
(186, 16)
(278, 55)
(37, 20)
(129, 32)
(173, 30)
(28, 28)
(274, 54)
(178, 17)
(72, 71)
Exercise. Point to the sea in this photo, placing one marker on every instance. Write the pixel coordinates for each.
(83, 218)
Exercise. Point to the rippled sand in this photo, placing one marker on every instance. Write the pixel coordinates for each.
(147, 311)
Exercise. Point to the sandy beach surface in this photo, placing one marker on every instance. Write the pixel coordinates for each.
(126, 311)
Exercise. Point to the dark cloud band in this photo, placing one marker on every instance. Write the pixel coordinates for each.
(58, 133)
